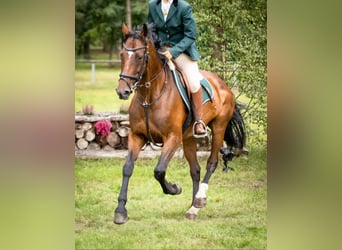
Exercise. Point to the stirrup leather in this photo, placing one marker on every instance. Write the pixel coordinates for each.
(201, 135)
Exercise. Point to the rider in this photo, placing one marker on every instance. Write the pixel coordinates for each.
(176, 28)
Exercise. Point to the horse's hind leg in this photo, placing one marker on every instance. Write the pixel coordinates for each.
(169, 148)
(217, 140)
(190, 147)
(134, 145)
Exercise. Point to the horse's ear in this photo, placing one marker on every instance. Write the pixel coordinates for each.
(144, 30)
(125, 30)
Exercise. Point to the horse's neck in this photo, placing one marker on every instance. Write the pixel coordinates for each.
(156, 75)
(154, 66)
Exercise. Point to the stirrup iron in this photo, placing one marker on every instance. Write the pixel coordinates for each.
(201, 135)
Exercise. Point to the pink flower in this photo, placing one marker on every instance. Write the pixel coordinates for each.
(88, 110)
(103, 127)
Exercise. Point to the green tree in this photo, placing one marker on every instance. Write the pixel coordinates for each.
(99, 21)
(83, 27)
(232, 42)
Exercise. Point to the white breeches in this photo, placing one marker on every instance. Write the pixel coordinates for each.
(190, 68)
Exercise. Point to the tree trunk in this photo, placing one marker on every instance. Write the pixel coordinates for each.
(108, 148)
(123, 131)
(94, 146)
(102, 141)
(105, 45)
(86, 48)
(86, 126)
(82, 143)
(110, 56)
(79, 133)
(124, 142)
(90, 135)
(128, 14)
(113, 139)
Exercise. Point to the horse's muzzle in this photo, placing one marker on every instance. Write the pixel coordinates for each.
(123, 94)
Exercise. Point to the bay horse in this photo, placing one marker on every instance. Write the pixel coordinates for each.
(157, 114)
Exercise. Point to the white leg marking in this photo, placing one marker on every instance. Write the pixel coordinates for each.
(202, 190)
(193, 210)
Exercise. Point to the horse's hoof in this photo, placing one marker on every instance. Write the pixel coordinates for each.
(200, 202)
(172, 189)
(120, 218)
(178, 188)
(190, 216)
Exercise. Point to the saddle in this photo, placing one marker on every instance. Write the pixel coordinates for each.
(182, 84)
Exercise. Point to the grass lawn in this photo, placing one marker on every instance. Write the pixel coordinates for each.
(234, 218)
(100, 94)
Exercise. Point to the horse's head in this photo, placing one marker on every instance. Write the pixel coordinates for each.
(134, 57)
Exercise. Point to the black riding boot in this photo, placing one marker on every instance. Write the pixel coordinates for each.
(199, 129)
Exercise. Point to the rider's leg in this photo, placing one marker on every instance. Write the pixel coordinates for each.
(191, 70)
(199, 126)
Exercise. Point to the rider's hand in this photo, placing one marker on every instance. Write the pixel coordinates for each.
(167, 54)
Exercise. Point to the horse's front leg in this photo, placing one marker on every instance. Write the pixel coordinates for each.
(134, 146)
(169, 149)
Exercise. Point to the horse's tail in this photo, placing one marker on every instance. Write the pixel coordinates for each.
(235, 137)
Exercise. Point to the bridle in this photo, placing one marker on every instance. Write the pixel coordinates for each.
(136, 78)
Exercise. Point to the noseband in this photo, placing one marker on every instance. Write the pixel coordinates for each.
(137, 77)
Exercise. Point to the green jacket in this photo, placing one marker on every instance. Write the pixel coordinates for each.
(179, 29)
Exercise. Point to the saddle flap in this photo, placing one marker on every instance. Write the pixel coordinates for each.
(207, 91)
(184, 80)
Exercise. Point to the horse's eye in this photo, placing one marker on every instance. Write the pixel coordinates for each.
(140, 57)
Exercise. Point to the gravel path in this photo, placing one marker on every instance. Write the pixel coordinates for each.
(148, 152)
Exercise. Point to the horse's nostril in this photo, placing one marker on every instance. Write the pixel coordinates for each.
(123, 94)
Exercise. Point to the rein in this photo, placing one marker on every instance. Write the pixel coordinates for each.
(146, 106)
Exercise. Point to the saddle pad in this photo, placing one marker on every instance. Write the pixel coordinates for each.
(207, 91)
